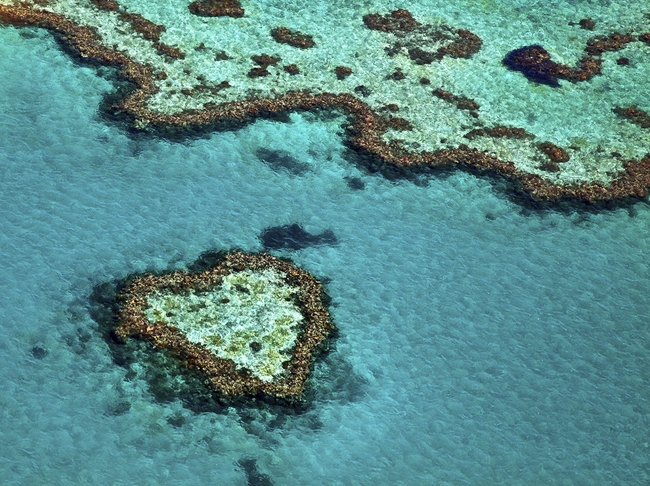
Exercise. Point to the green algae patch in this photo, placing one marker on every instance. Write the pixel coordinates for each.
(251, 324)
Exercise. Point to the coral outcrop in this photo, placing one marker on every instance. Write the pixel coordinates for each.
(423, 43)
(284, 35)
(535, 63)
(251, 324)
(217, 8)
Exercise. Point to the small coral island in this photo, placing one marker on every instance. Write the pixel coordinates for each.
(251, 324)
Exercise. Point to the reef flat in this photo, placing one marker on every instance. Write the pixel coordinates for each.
(217, 63)
(251, 324)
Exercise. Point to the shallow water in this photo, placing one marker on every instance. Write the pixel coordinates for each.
(480, 343)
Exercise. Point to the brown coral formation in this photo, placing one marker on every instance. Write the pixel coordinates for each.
(217, 8)
(463, 46)
(553, 152)
(398, 123)
(535, 63)
(147, 28)
(292, 69)
(461, 102)
(398, 20)
(635, 115)
(222, 375)
(604, 43)
(364, 133)
(293, 38)
(587, 24)
(263, 61)
(423, 43)
(107, 5)
(342, 72)
(499, 132)
(168, 51)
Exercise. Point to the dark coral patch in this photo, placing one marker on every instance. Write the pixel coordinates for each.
(461, 102)
(217, 8)
(464, 46)
(363, 91)
(284, 35)
(39, 351)
(107, 5)
(294, 237)
(555, 153)
(280, 160)
(342, 72)
(397, 123)
(264, 61)
(423, 43)
(292, 69)
(168, 51)
(535, 63)
(147, 28)
(355, 183)
(635, 115)
(499, 132)
(606, 43)
(587, 24)
(398, 20)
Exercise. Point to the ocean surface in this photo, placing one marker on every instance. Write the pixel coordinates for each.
(480, 341)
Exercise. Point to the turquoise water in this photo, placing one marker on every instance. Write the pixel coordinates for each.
(480, 342)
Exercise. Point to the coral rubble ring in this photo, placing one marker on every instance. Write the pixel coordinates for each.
(251, 324)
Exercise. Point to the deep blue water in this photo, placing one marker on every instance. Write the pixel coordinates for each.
(479, 343)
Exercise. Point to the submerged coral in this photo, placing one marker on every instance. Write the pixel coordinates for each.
(217, 8)
(294, 237)
(250, 323)
(535, 63)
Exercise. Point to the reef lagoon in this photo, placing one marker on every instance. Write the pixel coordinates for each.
(492, 321)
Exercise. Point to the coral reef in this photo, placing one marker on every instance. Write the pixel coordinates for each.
(535, 63)
(398, 20)
(555, 153)
(251, 324)
(217, 8)
(183, 102)
(499, 132)
(293, 38)
(461, 102)
(263, 61)
(107, 5)
(291, 69)
(635, 115)
(587, 24)
(423, 43)
(148, 29)
(342, 72)
(612, 42)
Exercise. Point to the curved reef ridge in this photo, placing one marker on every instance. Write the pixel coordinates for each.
(251, 324)
(182, 84)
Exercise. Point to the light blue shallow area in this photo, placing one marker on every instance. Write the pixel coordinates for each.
(484, 344)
